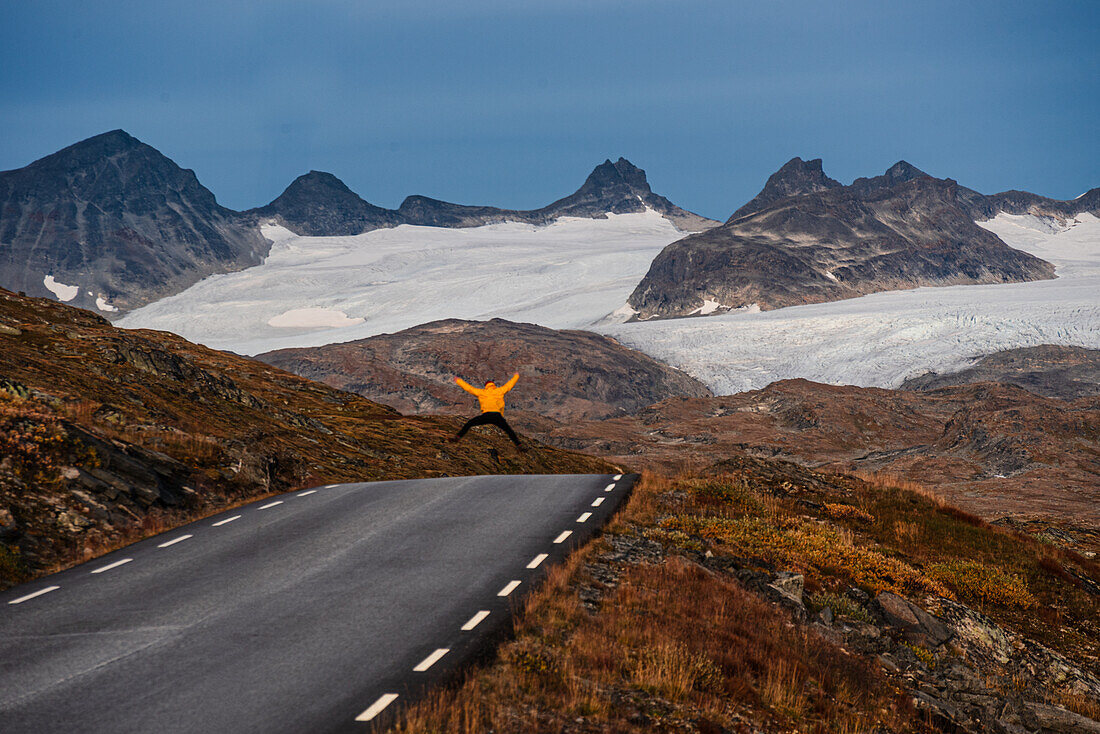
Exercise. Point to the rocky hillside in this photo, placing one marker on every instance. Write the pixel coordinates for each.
(108, 434)
(113, 225)
(994, 450)
(1051, 370)
(564, 375)
(320, 204)
(808, 239)
(758, 596)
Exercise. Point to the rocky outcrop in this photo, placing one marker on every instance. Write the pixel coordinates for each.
(1051, 370)
(114, 224)
(901, 230)
(319, 204)
(565, 375)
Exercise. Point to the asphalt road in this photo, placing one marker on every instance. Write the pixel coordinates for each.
(312, 611)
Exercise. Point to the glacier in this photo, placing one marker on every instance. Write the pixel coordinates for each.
(567, 274)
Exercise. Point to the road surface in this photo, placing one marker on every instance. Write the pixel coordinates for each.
(313, 611)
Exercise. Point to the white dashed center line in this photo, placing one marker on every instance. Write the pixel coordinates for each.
(306, 493)
(271, 504)
(584, 516)
(617, 477)
(109, 566)
(508, 589)
(40, 592)
(561, 538)
(537, 560)
(175, 540)
(330, 486)
(227, 520)
(609, 487)
(597, 502)
(474, 620)
(431, 660)
(377, 707)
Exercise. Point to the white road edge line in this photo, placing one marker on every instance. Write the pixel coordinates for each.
(584, 516)
(306, 493)
(609, 487)
(509, 588)
(109, 566)
(475, 620)
(617, 477)
(227, 520)
(431, 660)
(377, 707)
(175, 540)
(561, 538)
(597, 502)
(271, 504)
(40, 592)
(537, 560)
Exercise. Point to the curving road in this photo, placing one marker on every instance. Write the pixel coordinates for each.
(313, 611)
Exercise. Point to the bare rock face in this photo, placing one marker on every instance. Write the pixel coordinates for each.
(1050, 370)
(117, 220)
(900, 230)
(318, 204)
(564, 375)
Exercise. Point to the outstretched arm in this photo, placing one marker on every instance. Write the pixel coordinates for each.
(467, 386)
(511, 383)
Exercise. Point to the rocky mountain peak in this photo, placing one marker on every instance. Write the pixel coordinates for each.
(796, 176)
(621, 173)
(318, 204)
(904, 171)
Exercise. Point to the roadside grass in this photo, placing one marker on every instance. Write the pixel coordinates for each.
(676, 646)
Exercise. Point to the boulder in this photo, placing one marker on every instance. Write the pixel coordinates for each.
(917, 626)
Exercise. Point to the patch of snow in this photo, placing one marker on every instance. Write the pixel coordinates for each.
(568, 274)
(707, 308)
(312, 318)
(64, 293)
(881, 339)
(102, 304)
(829, 275)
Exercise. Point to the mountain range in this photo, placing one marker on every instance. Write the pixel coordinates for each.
(110, 223)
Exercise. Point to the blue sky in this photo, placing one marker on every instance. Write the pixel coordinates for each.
(512, 102)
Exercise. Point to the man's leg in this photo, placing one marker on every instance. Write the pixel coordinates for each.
(476, 421)
(498, 421)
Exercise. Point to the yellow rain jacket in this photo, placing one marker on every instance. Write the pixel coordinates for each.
(491, 399)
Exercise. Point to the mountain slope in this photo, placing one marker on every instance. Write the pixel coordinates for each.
(108, 433)
(825, 242)
(117, 220)
(564, 375)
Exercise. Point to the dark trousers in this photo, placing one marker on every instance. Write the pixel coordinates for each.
(491, 418)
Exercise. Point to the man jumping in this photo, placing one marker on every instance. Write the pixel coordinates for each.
(491, 399)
